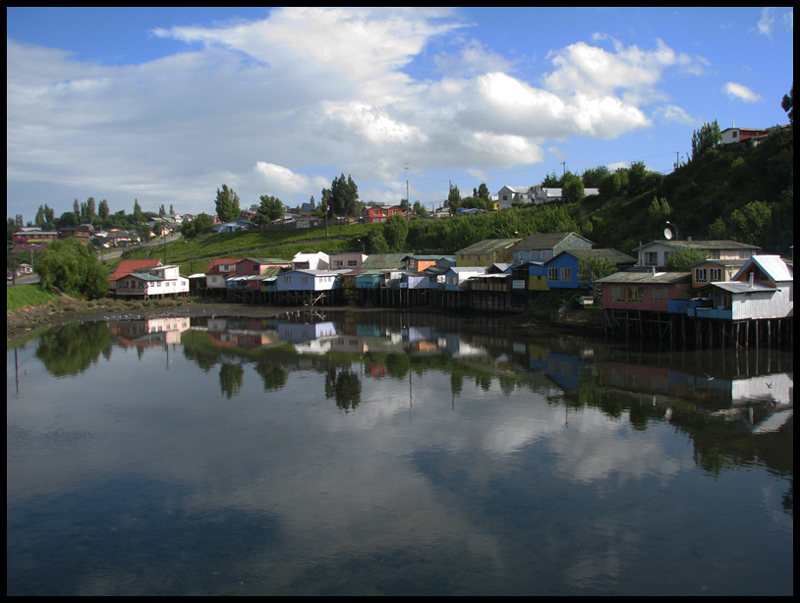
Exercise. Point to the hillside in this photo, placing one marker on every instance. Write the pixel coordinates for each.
(745, 195)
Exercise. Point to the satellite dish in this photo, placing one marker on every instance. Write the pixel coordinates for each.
(667, 234)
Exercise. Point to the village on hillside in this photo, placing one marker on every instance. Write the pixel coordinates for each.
(733, 294)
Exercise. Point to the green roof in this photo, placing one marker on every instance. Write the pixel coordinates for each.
(488, 246)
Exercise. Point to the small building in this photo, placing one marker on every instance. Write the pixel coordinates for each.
(656, 253)
(311, 261)
(762, 289)
(380, 213)
(646, 291)
(562, 270)
(159, 281)
(309, 280)
(219, 270)
(544, 246)
(347, 260)
(128, 267)
(455, 279)
(714, 271)
(32, 239)
(487, 252)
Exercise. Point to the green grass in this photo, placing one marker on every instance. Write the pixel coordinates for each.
(27, 295)
(281, 244)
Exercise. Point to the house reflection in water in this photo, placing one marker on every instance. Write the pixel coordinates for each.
(150, 331)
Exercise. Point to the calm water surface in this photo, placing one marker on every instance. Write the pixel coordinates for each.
(388, 453)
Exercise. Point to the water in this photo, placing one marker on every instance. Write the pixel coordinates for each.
(387, 453)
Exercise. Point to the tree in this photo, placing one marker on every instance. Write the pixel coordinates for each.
(227, 204)
(200, 225)
(681, 260)
(551, 181)
(594, 176)
(395, 231)
(72, 267)
(483, 193)
(592, 268)
(137, 211)
(637, 178)
(342, 198)
(103, 209)
(454, 199)
(705, 139)
(787, 104)
(271, 209)
(572, 188)
(376, 243)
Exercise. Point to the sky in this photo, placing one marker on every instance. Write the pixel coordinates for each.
(165, 105)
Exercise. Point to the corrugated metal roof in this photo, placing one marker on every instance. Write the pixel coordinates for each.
(645, 277)
(687, 244)
(546, 240)
(384, 261)
(773, 265)
(610, 254)
(742, 287)
(488, 246)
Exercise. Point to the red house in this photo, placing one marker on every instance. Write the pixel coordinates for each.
(128, 267)
(380, 213)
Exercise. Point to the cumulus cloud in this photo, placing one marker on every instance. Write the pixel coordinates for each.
(309, 91)
(741, 92)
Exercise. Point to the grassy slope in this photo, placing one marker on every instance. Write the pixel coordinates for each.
(27, 295)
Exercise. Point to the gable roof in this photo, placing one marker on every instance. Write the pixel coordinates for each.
(127, 267)
(214, 265)
(488, 246)
(547, 240)
(612, 255)
(772, 266)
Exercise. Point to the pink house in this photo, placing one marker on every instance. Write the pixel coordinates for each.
(646, 290)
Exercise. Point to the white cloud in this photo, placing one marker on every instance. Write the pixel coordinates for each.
(309, 91)
(741, 92)
(767, 21)
(674, 114)
(284, 181)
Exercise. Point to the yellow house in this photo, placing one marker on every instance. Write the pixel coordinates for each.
(487, 252)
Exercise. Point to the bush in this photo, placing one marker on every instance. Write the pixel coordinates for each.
(72, 267)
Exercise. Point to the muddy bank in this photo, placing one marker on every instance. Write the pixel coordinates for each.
(66, 309)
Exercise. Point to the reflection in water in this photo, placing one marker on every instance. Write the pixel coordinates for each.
(391, 453)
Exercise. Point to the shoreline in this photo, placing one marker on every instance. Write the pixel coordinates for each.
(26, 320)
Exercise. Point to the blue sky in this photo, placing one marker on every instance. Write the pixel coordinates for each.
(164, 105)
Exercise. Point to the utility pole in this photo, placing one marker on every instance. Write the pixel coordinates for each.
(408, 200)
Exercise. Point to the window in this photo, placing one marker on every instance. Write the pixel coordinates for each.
(635, 294)
(658, 294)
(566, 275)
(715, 274)
(552, 274)
(287, 280)
(617, 293)
(701, 275)
(352, 262)
(651, 258)
(304, 280)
